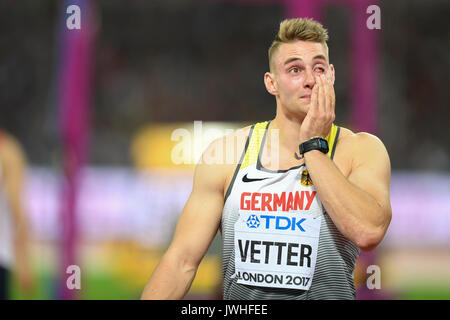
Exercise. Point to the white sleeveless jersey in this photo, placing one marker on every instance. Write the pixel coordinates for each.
(278, 241)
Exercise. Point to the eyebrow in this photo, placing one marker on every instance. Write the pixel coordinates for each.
(291, 60)
(318, 57)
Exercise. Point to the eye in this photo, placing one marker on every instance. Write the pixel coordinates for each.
(319, 69)
(294, 70)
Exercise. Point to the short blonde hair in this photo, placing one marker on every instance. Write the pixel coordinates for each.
(304, 29)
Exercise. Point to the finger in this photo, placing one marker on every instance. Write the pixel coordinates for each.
(321, 96)
(329, 77)
(331, 96)
(333, 99)
(314, 107)
(327, 94)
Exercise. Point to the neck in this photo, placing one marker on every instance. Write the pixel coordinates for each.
(289, 130)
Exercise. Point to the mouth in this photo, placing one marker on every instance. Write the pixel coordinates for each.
(306, 96)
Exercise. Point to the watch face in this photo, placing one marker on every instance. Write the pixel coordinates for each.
(318, 144)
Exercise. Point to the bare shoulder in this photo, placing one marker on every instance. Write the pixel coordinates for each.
(220, 158)
(358, 140)
(361, 146)
(11, 150)
(227, 149)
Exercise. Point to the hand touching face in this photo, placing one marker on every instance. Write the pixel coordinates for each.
(321, 113)
(295, 70)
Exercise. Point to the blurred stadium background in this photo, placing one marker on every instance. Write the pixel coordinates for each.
(95, 110)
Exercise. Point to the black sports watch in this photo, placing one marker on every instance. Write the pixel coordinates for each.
(315, 143)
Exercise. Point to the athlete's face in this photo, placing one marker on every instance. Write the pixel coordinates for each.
(294, 67)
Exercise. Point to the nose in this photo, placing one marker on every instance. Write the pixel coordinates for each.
(310, 81)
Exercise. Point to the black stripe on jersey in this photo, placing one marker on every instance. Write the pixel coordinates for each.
(335, 142)
(261, 147)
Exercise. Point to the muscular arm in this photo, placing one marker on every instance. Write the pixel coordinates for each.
(14, 165)
(196, 228)
(359, 204)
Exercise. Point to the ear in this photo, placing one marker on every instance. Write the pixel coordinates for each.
(269, 81)
(332, 73)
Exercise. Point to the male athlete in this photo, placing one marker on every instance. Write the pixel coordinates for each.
(13, 224)
(302, 199)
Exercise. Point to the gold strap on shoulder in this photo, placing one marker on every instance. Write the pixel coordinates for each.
(331, 139)
(252, 152)
(251, 155)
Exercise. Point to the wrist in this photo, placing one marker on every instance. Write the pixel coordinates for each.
(313, 144)
(313, 153)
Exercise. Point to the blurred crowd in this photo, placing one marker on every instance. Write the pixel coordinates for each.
(167, 61)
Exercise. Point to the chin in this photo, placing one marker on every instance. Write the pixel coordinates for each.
(303, 109)
(298, 111)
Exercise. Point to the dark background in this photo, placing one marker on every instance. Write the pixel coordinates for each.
(166, 61)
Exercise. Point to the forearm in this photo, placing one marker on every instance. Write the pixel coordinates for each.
(171, 280)
(21, 246)
(355, 213)
(20, 227)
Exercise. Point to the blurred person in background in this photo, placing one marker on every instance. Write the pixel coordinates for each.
(14, 251)
(292, 224)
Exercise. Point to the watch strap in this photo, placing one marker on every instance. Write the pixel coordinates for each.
(315, 143)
